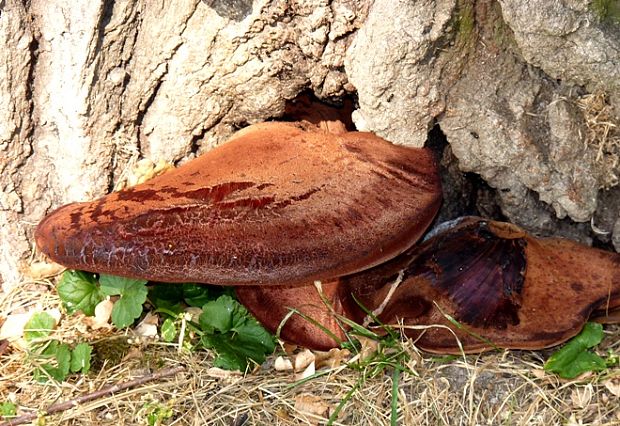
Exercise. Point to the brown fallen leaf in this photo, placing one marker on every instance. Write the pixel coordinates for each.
(103, 313)
(134, 352)
(282, 414)
(226, 376)
(613, 386)
(309, 371)
(148, 326)
(368, 349)
(311, 404)
(4, 344)
(581, 397)
(303, 359)
(574, 421)
(331, 359)
(283, 364)
(39, 270)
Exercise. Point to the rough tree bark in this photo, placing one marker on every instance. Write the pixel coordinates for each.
(87, 88)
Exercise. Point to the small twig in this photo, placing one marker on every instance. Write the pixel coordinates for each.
(64, 406)
(378, 311)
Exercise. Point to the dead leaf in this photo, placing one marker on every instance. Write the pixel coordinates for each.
(309, 371)
(148, 326)
(103, 312)
(283, 364)
(303, 359)
(581, 397)
(133, 353)
(55, 313)
(194, 312)
(574, 421)
(39, 270)
(282, 414)
(331, 359)
(613, 386)
(13, 327)
(311, 404)
(368, 349)
(3, 345)
(226, 376)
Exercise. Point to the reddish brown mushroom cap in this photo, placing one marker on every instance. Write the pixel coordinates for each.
(281, 203)
(505, 288)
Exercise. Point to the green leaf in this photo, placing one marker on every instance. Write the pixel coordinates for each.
(168, 330)
(63, 359)
(58, 369)
(80, 358)
(133, 295)
(79, 291)
(234, 334)
(126, 310)
(8, 409)
(197, 294)
(232, 353)
(218, 314)
(166, 298)
(169, 298)
(112, 285)
(574, 358)
(57, 359)
(236, 350)
(585, 361)
(39, 327)
(158, 414)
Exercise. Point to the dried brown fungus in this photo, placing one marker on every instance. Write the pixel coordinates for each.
(475, 286)
(503, 287)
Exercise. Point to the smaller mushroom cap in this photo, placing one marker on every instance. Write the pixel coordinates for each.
(503, 287)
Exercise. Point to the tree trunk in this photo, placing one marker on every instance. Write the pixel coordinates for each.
(520, 90)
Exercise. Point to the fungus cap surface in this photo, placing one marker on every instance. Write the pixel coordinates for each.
(280, 203)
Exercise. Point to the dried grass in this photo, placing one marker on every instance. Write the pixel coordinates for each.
(507, 387)
(602, 134)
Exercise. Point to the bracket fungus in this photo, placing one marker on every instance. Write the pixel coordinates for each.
(278, 204)
(493, 285)
(284, 205)
(488, 284)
